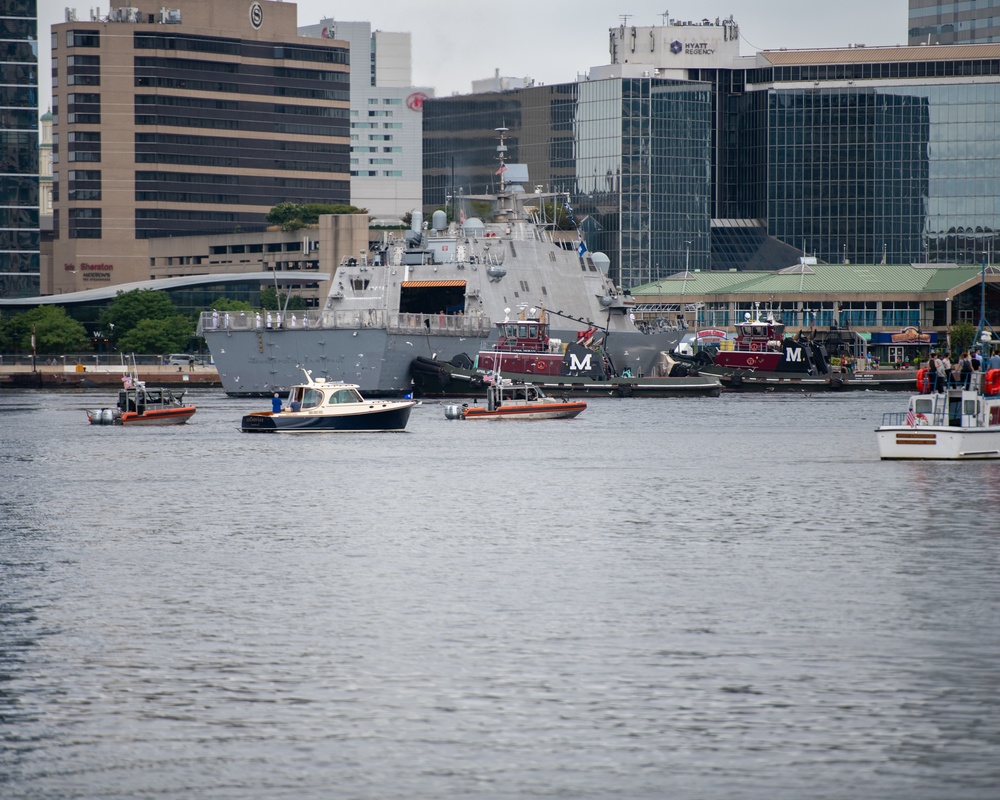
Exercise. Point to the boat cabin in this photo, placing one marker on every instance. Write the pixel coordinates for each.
(765, 333)
(524, 335)
(504, 392)
(317, 394)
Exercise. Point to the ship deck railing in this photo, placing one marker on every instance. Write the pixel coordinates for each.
(475, 325)
(899, 418)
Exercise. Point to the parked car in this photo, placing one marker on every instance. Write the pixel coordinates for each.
(182, 360)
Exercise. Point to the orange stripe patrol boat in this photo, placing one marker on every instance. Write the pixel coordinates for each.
(506, 399)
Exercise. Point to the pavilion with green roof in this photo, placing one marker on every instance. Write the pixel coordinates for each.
(885, 303)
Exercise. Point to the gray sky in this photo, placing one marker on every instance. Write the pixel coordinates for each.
(455, 43)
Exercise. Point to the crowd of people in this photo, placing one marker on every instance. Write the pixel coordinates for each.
(943, 374)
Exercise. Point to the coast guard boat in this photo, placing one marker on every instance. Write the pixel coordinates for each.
(436, 293)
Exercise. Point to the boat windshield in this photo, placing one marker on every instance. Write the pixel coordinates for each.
(344, 396)
(311, 398)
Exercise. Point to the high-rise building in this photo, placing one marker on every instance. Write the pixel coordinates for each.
(19, 231)
(954, 22)
(628, 156)
(190, 119)
(857, 155)
(386, 117)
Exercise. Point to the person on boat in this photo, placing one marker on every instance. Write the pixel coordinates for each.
(276, 404)
(995, 360)
(977, 360)
(965, 370)
(295, 406)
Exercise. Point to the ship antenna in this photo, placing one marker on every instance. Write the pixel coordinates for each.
(501, 156)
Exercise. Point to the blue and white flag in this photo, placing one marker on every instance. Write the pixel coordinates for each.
(582, 248)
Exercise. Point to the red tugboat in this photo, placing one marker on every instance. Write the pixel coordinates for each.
(761, 346)
(524, 348)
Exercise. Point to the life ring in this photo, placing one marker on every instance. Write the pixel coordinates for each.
(991, 382)
(754, 346)
(922, 380)
(921, 419)
(540, 366)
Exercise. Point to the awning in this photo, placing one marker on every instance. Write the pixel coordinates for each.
(430, 284)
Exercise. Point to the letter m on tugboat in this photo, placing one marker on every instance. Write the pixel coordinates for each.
(577, 364)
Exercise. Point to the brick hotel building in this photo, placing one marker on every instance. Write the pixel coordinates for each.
(196, 118)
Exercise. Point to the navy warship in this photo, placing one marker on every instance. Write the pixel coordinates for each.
(435, 292)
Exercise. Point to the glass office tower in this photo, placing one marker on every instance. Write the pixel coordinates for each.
(631, 156)
(19, 231)
(953, 22)
(867, 161)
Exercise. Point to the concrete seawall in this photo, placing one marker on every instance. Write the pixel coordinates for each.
(90, 377)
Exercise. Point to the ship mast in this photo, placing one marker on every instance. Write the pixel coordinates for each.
(501, 157)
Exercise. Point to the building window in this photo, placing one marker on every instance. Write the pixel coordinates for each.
(85, 223)
(83, 38)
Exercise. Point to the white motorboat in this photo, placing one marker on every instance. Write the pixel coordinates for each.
(958, 423)
(324, 406)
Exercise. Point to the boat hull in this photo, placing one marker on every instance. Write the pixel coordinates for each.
(741, 381)
(166, 416)
(438, 379)
(388, 417)
(133, 419)
(534, 411)
(935, 442)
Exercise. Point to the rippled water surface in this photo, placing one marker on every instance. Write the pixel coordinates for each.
(715, 598)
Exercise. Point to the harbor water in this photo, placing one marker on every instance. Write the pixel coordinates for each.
(695, 598)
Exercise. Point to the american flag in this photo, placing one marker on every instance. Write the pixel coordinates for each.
(503, 168)
(911, 418)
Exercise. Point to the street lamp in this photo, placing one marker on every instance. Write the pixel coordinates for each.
(687, 255)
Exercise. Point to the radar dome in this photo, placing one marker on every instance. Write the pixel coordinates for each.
(439, 220)
(474, 226)
(602, 262)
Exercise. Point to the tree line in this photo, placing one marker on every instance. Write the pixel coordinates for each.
(138, 321)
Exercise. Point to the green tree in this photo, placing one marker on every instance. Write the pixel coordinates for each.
(272, 300)
(292, 216)
(55, 331)
(173, 334)
(482, 209)
(128, 309)
(961, 335)
(287, 215)
(228, 304)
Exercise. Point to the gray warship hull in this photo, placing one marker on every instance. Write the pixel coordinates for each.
(258, 361)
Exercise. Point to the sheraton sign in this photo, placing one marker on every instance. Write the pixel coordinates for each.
(92, 272)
